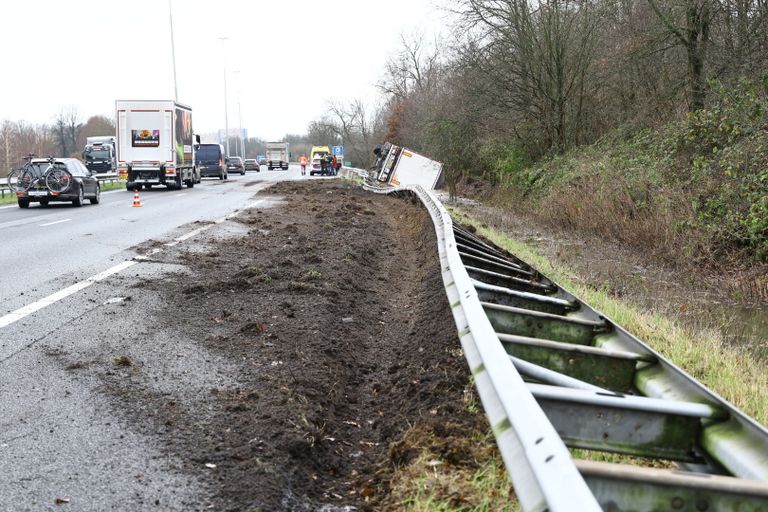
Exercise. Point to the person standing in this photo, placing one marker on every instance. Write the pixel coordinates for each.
(334, 164)
(303, 162)
(323, 166)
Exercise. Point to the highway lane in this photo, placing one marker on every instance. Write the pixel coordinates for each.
(59, 436)
(44, 249)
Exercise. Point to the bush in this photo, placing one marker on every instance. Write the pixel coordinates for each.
(696, 188)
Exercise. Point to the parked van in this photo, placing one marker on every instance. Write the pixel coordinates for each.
(211, 160)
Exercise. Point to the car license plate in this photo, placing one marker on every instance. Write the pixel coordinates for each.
(38, 193)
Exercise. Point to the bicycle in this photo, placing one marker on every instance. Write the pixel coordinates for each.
(56, 178)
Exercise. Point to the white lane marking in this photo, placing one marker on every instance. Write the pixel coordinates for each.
(55, 222)
(179, 195)
(15, 316)
(9, 206)
(29, 220)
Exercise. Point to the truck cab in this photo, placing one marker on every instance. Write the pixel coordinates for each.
(99, 154)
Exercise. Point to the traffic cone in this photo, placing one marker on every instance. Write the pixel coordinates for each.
(136, 200)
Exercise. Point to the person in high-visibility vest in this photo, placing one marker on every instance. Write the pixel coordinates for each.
(303, 162)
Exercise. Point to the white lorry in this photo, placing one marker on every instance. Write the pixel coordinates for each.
(278, 155)
(401, 166)
(155, 144)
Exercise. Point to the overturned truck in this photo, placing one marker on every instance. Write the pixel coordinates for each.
(397, 165)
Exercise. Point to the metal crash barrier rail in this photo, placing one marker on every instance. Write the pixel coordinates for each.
(553, 373)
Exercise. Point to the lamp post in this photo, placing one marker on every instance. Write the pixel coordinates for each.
(226, 112)
(240, 117)
(173, 54)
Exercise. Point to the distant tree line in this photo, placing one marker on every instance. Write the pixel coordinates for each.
(552, 74)
(65, 136)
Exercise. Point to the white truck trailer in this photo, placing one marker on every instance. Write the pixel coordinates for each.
(401, 166)
(278, 155)
(155, 144)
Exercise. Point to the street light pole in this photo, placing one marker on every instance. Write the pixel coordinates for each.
(226, 108)
(240, 117)
(173, 54)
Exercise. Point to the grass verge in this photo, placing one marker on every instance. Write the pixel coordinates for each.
(727, 371)
(450, 467)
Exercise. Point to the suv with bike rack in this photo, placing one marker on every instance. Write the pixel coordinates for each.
(45, 180)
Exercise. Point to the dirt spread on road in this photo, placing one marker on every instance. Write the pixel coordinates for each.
(330, 314)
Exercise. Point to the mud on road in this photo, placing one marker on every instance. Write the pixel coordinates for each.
(328, 335)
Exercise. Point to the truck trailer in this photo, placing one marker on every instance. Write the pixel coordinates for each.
(401, 166)
(155, 144)
(278, 155)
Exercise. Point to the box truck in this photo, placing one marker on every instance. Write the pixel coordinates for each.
(155, 144)
(401, 166)
(99, 154)
(278, 155)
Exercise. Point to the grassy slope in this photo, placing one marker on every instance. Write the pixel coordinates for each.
(692, 190)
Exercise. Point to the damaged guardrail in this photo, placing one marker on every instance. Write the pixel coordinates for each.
(553, 373)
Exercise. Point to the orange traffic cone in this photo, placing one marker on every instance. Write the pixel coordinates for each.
(136, 200)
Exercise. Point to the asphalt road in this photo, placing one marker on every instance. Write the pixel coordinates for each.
(56, 437)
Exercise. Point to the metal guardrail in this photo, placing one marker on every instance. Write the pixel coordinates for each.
(553, 373)
(103, 177)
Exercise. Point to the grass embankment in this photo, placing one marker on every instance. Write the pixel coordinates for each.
(690, 192)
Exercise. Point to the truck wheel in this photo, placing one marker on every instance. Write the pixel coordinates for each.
(190, 183)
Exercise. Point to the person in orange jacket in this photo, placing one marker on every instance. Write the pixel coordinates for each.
(303, 161)
(334, 163)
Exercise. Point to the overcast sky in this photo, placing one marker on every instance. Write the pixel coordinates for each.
(293, 56)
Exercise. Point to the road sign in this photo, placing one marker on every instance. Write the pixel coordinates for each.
(338, 150)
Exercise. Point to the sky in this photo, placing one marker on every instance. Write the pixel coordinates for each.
(284, 59)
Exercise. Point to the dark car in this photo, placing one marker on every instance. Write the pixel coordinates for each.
(252, 165)
(58, 179)
(235, 163)
(211, 161)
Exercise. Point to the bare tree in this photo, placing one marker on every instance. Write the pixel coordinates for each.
(688, 22)
(537, 59)
(66, 127)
